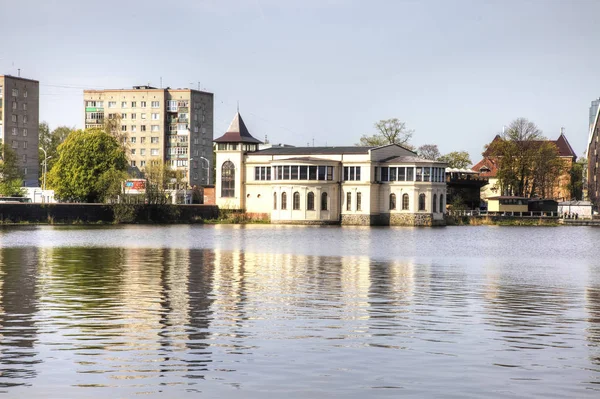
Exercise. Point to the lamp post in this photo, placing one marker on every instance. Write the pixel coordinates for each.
(46, 158)
(207, 170)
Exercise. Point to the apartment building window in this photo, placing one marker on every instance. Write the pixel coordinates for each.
(155, 116)
(133, 104)
(25, 144)
(15, 144)
(14, 105)
(405, 202)
(123, 128)
(143, 151)
(154, 140)
(14, 131)
(203, 130)
(155, 128)
(348, 201)
(15, 92)
(133, 151)
(143, 116)
(25, 119)
(25, 94)
(133, 139)
(142, 163)
(133, 163)
(123, 116)
(196, 140)
(143, 128)
(14, 118)
(359, 201)
(196, 153)
(24, 106)
(24, 158)
(142, 140)
(154, 151)
(310, 201)
(123, 104)
(25, 132)
(133, 128)
(143, 104)
(112, 104)
(155, 104)
(133, 116)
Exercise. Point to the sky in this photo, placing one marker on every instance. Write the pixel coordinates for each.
(323, 71)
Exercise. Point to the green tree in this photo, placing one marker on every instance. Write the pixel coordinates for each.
(388, 131)
(457, 159)
(49, 141)
(576, 173)
(11, 178)
(160, 177)
(429, 151)
(91, 167)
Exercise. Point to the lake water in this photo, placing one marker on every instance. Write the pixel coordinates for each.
(299, 312)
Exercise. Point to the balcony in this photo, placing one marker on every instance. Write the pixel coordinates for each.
(182, 120)
(184, 109)
(171, 108)
(94, 121)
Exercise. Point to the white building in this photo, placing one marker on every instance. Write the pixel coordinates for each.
(386, 185)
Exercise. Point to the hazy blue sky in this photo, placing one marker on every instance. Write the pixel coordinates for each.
(454, 71)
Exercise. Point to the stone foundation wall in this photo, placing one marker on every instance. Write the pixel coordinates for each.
(414, 219)
(306, 222)
(358, 220)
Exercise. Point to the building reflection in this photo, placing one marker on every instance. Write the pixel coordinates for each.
(592, 296)
(18, 306)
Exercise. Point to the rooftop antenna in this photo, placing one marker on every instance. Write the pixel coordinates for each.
(562, 130)
(313, 142)
(19, 72)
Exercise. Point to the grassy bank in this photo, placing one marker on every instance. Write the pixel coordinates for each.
(499, 221)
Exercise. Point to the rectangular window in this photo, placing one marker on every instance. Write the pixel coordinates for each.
(123, 128)
(14, 105)
(15, 144)
(143, 128)
(24, 158)
(133, 128)
(142, 140)
(133, 116)
(155, 117)
(133, 139)
(143, 151)
(142, 163)
(14, 131)
(143, 104)
(312, 173)
(24, 106)
(133, 104)
(154, 151)
(385, 174)
(133, 163)
(24, 144)
(348, 201)
(112, 104)
(25, 94)
(426, 174)
(123, 104)
(330, 173)
(155, 104)
(419, 174)
(123, 116)
(401, 174)
(286, 173)
(393, 174)
(133, 151)
(294, 172)
(15, 92)
(143, 116)
(410, 173)
(155, 128)
(303, 172)
(25, 132)
(322, 172)
(358, 201)
(154, 140)
(14, 118)
(351, 173)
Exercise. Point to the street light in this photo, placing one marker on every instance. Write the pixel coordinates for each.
(207, 170)
(46, 158)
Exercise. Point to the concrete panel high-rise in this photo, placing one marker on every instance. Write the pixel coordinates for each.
(170, 125)
(19, 123)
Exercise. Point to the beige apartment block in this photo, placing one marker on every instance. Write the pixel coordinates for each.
(170, 125)
(19, 123)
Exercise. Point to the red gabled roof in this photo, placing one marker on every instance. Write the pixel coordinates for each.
(486, 163)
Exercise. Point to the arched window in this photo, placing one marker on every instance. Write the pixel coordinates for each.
(442, 203)
(296, 201)
(434, 203)
(228, 179)
(310, 201)
(405, 202)
(392, 201)
(274, 200)
(324, 201)
(421, 202)
(283, 200)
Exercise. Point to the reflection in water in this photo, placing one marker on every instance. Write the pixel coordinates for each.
(18, 331)
(176, 322)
